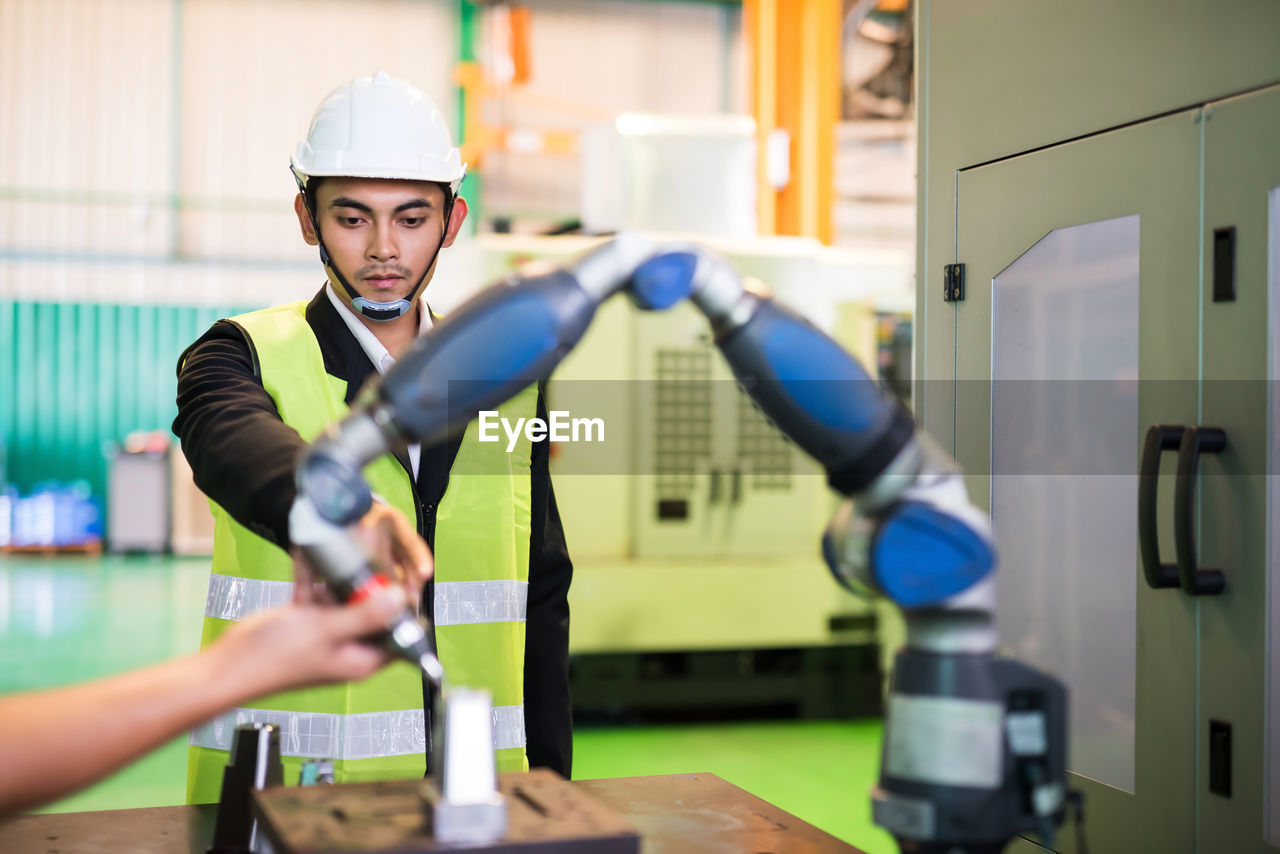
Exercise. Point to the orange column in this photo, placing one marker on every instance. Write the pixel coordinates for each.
(795, 62)
(760, 26)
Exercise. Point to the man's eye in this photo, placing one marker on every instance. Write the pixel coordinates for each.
(349, 221)
(413, 221)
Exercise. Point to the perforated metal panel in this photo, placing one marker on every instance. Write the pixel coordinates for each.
(762, 449)
(681, 418)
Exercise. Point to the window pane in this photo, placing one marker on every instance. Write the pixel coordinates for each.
(1064, 477)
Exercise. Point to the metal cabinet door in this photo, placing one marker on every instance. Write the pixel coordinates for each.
(1077, 333)
(1238, 787)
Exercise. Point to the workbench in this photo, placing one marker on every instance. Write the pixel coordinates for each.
(674, 813)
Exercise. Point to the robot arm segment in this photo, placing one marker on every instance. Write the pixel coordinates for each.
(815, 392)
(499, 342)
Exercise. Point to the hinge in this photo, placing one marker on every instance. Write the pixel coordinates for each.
(953, 283)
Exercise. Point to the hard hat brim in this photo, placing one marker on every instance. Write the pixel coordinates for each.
(452, 178)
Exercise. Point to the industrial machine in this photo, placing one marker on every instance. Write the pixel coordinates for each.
(974, 745)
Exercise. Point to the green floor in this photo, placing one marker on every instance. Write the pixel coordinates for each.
(68, 619)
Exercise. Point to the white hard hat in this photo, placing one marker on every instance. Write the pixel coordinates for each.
(379, 127)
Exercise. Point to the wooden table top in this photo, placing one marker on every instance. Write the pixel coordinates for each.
(674, 813)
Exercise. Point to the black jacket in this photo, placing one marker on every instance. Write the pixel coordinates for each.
(242, 455)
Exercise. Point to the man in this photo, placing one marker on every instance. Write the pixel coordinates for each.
(378, 178)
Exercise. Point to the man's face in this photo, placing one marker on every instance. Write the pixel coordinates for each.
(381, 234)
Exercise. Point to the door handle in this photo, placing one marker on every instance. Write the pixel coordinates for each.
(1195, 441)
(1160, 438)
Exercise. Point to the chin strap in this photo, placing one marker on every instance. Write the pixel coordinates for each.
(372, 309)
(381, 310)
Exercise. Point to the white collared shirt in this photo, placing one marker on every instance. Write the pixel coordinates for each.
(382, 360)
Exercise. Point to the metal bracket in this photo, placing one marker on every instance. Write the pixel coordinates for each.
(464, 806)
(953, 283)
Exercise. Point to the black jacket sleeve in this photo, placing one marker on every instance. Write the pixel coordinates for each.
(548, 710)
(242, 454)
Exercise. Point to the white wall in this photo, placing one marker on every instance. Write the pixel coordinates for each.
(593, 59)
(144, 143)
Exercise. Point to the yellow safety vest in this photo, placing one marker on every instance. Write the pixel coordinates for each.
(374, 730)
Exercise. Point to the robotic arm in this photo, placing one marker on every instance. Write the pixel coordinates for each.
(974, 745)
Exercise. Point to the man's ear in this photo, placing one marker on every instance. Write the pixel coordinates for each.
(304, 221)
(457, 215)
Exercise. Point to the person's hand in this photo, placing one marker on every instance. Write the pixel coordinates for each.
(300, 645)
(395, 545)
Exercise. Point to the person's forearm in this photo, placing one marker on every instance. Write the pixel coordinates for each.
(55, 742)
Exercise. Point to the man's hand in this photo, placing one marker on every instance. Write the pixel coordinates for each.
(393, 542)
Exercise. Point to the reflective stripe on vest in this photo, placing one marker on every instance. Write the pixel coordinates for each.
(234, 598)
(457, 603)
(315, 735)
